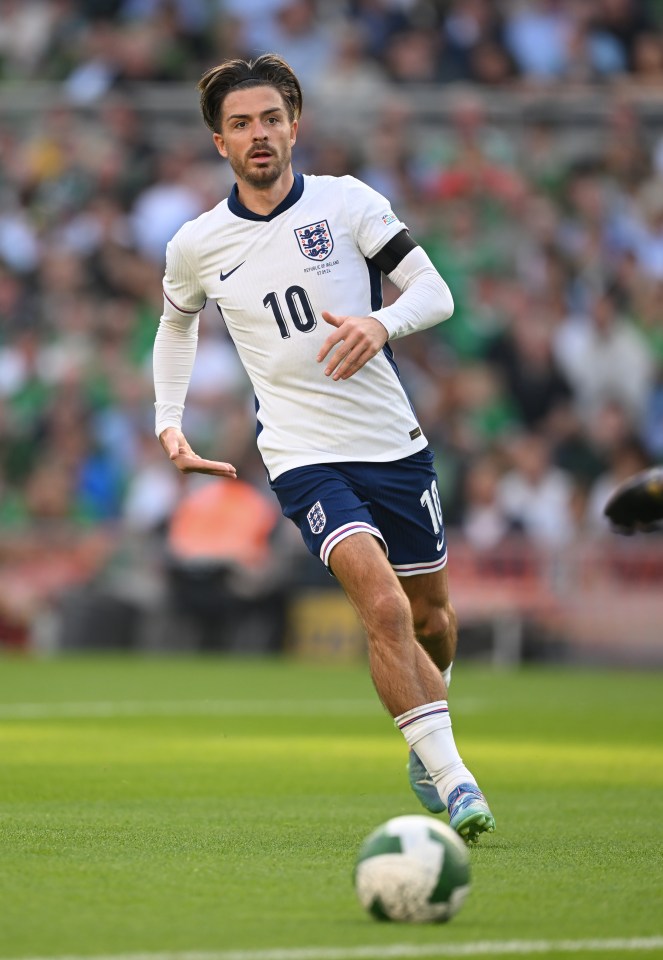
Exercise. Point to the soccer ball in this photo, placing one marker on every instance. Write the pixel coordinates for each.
(413, 869)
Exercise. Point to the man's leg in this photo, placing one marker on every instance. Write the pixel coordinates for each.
(434, 617)
(407, 681)
(403, 674)
(435, 627)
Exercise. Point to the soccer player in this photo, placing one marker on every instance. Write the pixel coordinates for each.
(636, 505)
(294, 266)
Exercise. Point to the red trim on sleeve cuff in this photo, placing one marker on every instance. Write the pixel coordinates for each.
(181, 309)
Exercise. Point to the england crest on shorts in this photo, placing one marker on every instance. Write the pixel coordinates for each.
(315, 240)
(316, 518)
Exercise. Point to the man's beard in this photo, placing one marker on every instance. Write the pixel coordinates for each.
(260, 177)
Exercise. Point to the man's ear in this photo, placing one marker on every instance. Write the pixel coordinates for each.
(220, 144)
(294, 126)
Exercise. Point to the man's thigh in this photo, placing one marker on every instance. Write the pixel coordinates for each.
(405, 504)
(326, 506)
(397, 502)
(361, 567)
(428, 590)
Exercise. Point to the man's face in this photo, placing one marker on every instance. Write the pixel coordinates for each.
(256, 135)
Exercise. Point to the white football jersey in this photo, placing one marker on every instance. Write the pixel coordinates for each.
(271, 277)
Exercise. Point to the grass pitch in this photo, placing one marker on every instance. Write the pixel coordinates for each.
(211, 804)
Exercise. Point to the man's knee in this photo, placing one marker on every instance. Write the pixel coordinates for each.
(388, 612)
(434, 622)
(371, 586)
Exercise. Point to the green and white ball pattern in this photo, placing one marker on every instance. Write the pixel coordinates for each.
(413, 869)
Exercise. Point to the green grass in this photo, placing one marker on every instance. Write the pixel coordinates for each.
(213, 826)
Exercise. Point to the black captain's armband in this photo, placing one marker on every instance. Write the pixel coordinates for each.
(393, 252)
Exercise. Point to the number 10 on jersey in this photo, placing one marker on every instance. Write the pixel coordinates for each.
(299, 308)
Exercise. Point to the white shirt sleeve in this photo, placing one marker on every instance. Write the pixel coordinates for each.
(425, 298)
(177, 338)
(373, 221)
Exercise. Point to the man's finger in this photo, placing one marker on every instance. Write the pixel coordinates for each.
(182, 450)
(332, 318)
(345, 363)
(328, 345)
(174, 443)
(332, 339)
(171, 446)
(191, 463)
(355, 363)
(337, 361)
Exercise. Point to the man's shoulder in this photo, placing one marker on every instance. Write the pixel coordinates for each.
(197, 229)
(327, 181)
(345, 193)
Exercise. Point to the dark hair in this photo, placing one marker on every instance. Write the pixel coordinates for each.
(266, 70)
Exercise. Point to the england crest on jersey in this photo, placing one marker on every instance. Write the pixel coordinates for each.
(315, 240)
(316, 518)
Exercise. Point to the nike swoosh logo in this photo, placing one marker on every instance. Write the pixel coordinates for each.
(224, 276)
(439, 545)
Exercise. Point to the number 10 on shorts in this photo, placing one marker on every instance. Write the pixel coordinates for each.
(431, 500)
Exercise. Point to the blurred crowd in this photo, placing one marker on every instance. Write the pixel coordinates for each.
(93, 46)
(542, 391)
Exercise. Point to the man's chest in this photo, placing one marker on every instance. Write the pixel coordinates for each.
(250, 264)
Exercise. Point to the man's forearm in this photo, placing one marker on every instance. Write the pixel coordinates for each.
(425, 298)
(174, 355)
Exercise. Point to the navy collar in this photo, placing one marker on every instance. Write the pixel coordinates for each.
(238, 208)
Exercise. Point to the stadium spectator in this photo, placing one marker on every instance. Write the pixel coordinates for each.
(647, 66)
(257, 21)
(643, 229)
(25, 31)
(152, 492)
(226, 575)
(165, 204)
(537, 35)
(524, 356)
(595, 354)
(411, 56)
(626, 20)
(473, 31)
(485, 522)
(536, 496)
(351, 74)
(304, 39)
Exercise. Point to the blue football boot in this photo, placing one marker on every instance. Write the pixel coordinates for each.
(469, 814)
(423, 786)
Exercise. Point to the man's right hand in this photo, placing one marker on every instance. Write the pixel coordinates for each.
(178, 450)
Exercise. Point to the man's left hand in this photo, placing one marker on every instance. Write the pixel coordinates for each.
(358, 340)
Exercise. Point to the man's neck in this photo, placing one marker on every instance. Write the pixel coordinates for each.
(264, 201)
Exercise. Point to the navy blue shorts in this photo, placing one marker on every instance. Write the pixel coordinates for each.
(398, 502)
